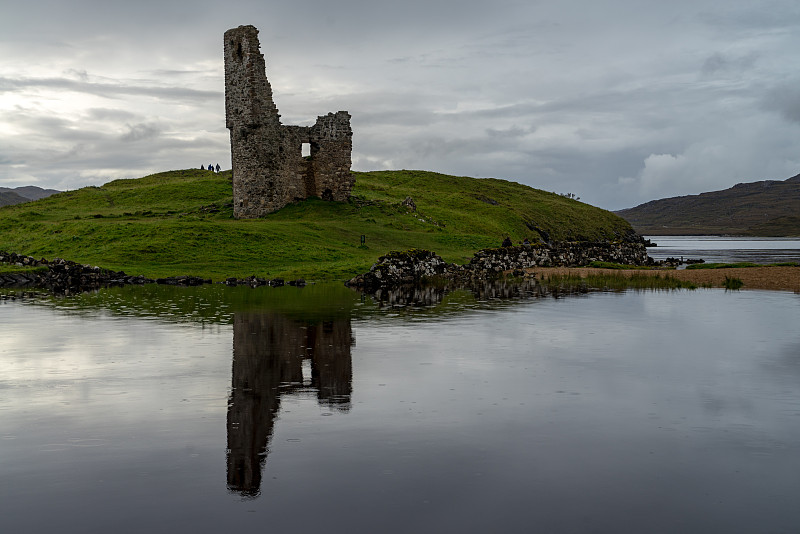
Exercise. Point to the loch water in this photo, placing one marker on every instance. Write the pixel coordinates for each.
(213, 409)
(727, 249)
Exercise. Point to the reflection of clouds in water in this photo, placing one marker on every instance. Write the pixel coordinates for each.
(785, 362)
(688, 342)
(716, 405)
(554, 402)
(725, 314)
(94, 358)
(703, 350)
(791, 356)
(57, 346)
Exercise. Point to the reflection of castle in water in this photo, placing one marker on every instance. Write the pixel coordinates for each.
(269, 353)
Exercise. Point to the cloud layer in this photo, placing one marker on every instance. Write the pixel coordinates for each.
(619, 102)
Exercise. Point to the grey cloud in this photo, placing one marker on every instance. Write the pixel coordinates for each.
(718, 62)
(35, 128)
(108, 158)
(72, 153)
(785, 100)
(714, 63)
(397, 117)
(80, 74)
(613, 102)
(168, 73)
(107, 90)
(109, 114)
(512, 132)
(758, 17)
(139, 132)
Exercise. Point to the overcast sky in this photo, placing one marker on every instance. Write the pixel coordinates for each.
(618, 102)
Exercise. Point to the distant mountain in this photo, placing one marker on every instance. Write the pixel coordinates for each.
(768, 208)
(9, 198)
(18, 195)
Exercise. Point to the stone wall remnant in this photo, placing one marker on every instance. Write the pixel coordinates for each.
(418, 266)
(269, 170)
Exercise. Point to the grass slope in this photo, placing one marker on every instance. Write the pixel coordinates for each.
(768, 208)
(180, 222)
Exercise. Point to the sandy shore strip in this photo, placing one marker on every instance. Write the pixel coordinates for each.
(772, 278)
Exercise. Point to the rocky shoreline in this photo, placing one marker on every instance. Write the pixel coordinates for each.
(421, 271)
(415, 267)
(67, 277)
(62, 276)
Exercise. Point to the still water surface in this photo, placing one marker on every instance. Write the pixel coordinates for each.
(282, 409)
(717, 249)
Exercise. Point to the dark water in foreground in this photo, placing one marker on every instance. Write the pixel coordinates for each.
(272, 410)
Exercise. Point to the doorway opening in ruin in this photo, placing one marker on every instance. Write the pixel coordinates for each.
(310, 182)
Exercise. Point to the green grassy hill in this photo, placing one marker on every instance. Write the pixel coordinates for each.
(180, 222)
(768, 208)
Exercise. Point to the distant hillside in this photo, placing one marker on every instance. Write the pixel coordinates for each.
(10, 198)
(181, 222)
(768, 208)
(18, 195)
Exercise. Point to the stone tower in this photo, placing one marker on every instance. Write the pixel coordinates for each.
(269, 169)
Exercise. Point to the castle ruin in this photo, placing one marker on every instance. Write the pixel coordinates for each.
(269, 170)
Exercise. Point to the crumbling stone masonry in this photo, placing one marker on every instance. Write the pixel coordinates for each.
(269, 169)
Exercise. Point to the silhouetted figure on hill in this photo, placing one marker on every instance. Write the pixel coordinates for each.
(217, 167)
(507, 242)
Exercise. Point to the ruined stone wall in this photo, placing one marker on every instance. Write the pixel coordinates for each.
(269, 170)
(415, 266)
(558, 254)
(331, 148)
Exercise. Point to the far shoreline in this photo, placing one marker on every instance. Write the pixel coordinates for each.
(773, 278)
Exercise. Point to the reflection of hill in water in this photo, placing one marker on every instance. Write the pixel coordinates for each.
(218, 305)
(288, 341)
(269, 352)
(210, 304)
